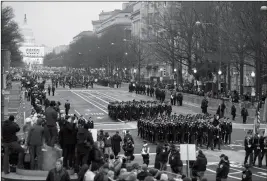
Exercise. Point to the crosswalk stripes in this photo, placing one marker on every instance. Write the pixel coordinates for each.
(96, 114)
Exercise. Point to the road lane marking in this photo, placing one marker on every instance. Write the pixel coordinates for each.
(108, 124)
(235, 172)
(252, 173)
(260, 168)
(89, 102)
(96, 97)
(109, 96)
(89, 98)
(212, 171)
(77, 112)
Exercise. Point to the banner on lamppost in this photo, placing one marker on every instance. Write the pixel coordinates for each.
(265, 112)
(253, 92)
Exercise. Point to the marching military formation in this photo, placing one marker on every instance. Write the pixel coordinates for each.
(159, 93)
(196, 129)
(256, 148)
(135, 110)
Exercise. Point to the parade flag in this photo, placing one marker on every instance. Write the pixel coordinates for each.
(265, 112)
(257, 120)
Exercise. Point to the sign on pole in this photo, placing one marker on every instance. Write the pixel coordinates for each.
(188, 151)
(94, 134)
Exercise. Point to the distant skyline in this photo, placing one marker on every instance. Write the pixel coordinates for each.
(56, 23)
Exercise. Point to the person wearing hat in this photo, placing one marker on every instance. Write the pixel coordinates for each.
(145, 153)
(199, 166)
(175, 160)
(127, 137)
(246, 174)
(9, 140)
(248, 142)
(223, 169)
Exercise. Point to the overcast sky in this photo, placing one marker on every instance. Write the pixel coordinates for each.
(56, 23)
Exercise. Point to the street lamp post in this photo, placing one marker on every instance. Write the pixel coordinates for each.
(219, 72)
(175, 74)
(139, 56)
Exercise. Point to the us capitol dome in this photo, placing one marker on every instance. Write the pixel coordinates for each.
(27, 34)
(32, 53)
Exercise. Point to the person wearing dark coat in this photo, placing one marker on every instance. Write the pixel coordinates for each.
(158, 151)
(200, 165)
(246, 174)
(53, 90)
(35, 142)
(67, 107)
(223, 168)
(127, 137)
(233, 112)
(116, 143)
(204, 105)
(10, 142)
(67, 138)
(129, 150)
(46, 103)
(163, 157)
(51, 118)
(84, 145)
(58, 173)
(49, 89)
(244, 114)
(98, 157)
(175, 161)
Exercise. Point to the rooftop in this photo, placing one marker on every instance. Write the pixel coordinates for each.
(83, 33)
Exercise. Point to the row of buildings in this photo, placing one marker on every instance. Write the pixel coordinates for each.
(136, 19)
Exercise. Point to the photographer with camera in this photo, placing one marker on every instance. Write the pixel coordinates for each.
(128, 148)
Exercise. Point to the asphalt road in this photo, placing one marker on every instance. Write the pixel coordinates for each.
(93, 103)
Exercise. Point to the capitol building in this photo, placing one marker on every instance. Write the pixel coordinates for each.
(33, 55)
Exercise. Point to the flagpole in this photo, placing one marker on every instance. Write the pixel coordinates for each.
(257, 120)
(265, 112)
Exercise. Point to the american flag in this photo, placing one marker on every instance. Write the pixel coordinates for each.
(257, 120)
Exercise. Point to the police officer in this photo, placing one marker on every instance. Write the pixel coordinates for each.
(264, 148)
(49, 89)
(67, 107)
(248, 143)
(229, 129)
(204, 105)
(257, 149)
(53, 90)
